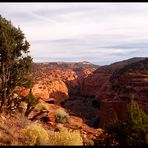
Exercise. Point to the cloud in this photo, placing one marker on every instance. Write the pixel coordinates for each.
(101, 33)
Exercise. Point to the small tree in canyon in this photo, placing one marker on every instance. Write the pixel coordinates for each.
(31, 102)
(15, 63)
(133, 129)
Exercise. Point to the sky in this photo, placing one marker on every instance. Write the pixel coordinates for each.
(101, 33)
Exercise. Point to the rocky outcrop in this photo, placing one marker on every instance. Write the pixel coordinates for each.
(48, 118)
(102, 83)
(132, 85)
(96, 83)
(135, 84)
(113, 86)
(70, 74)
(47, 90)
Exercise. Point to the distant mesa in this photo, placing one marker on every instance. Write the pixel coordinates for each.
(62, 62)
(85, 62)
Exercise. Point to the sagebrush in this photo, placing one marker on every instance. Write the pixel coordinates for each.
(34, 135)
(65, 137)
(61, 116)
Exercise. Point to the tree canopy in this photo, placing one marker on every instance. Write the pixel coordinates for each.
(15, 62)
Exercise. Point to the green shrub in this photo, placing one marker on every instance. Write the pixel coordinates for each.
(133, 129)
(41, 106)
(61, 116)
(34, 135)
(65, 137)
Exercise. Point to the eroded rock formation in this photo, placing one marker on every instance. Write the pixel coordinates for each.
(79, 88)
(114, 86)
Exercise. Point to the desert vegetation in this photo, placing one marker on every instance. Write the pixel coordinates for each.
(132, 130)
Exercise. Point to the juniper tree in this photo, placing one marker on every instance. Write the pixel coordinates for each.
(15, 61)
(31, 102)
(133, 129)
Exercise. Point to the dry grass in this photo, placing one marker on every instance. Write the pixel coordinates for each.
(65, 137)
(7, 137)
(34, 135)
(9, 128)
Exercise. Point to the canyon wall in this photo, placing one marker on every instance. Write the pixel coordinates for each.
(114, 89)
(79, 88)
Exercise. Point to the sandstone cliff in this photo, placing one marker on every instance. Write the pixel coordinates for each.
(114, 86)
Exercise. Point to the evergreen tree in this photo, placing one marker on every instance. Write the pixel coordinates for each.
(15, 62)
(133, 129)
(31, 102)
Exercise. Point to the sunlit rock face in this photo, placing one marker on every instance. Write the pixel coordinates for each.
(57, 80)
(54, 89)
